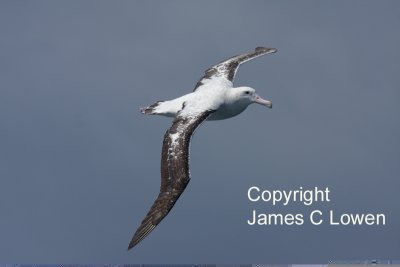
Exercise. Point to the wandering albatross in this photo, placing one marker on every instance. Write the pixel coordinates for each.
(213, 98)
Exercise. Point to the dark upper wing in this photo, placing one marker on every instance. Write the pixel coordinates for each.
(174, 171)
(226, 70)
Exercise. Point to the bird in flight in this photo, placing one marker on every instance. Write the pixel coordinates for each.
(213, 98)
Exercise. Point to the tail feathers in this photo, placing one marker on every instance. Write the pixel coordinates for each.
(150, 110)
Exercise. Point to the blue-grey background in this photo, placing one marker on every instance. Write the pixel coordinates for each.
(79, 165)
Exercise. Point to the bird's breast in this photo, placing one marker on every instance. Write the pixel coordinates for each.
(227, 111)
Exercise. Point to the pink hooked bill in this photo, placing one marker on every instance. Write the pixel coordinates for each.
(259, 100)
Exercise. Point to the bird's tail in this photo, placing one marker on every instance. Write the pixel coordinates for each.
(150, 110)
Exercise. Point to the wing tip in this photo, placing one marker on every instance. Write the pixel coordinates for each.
(134, 242)
(265, 49)
(131, 245)
(143, 231)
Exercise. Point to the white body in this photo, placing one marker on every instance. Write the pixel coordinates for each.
(224, 104)
(227, 102)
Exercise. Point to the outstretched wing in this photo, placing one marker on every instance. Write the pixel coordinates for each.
(225, 71)
(174, 170)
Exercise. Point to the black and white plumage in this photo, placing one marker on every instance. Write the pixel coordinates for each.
(214, 98)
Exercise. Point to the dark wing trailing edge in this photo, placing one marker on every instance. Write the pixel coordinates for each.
(227, 68)
(174, 171)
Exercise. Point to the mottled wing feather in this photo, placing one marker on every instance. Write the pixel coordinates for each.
(175, 173)
(226, 70)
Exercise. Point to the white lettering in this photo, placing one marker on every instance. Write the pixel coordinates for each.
(249, 196)
(313, 221)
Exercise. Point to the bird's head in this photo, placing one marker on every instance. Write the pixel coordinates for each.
(247, 96)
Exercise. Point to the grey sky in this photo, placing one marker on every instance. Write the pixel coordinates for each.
(79, 165)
